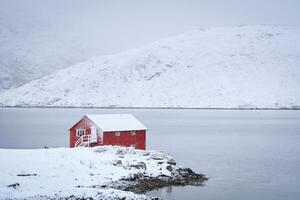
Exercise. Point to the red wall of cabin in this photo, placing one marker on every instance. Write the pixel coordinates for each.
(126, 139)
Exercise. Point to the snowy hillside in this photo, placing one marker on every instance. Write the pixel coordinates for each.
(33, 56)
(85, 173)
(234, 67)
(33, 44)
(29, 49)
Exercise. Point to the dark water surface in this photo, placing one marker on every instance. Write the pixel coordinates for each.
(247, 154)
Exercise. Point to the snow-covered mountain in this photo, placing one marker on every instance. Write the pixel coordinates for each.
(30, 48)
(233, 67)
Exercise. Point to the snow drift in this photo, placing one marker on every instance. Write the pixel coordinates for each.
(236, 67)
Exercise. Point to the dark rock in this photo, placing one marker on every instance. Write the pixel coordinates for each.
(155, 198)
(171, 162)
(139, 165)
(157, 156)
(79, 186)
(146, 153)
(121, 152)
(26, 174)
(169, 168)
(117, 162)
(14, 185)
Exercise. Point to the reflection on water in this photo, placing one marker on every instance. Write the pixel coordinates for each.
(246, 154)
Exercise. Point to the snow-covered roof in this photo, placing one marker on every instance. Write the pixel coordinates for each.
(116, 122)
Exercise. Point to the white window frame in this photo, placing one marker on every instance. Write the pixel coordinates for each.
(117, 133)
(77, 132)
(132, 133)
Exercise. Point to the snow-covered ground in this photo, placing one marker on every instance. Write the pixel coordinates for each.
(82, 172)
(229, 67)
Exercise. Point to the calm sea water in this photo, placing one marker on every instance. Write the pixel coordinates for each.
(247, 154)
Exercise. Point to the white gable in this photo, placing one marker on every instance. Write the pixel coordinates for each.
(116, 122)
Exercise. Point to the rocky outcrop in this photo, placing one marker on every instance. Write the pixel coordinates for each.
(140, 183)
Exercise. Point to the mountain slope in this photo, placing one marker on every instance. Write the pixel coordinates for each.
(30, 49)
(236, 67)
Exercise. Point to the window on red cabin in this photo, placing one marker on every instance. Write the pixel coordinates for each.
(133, 145)
(132, 132)
(117, 133)
(80, 132)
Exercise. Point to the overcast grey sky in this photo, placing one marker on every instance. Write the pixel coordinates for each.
(116, 25)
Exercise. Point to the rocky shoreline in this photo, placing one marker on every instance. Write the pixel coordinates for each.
(140, 183)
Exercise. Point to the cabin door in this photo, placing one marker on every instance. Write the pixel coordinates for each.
(93, 134)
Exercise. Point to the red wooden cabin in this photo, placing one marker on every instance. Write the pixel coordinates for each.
(108, 129)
